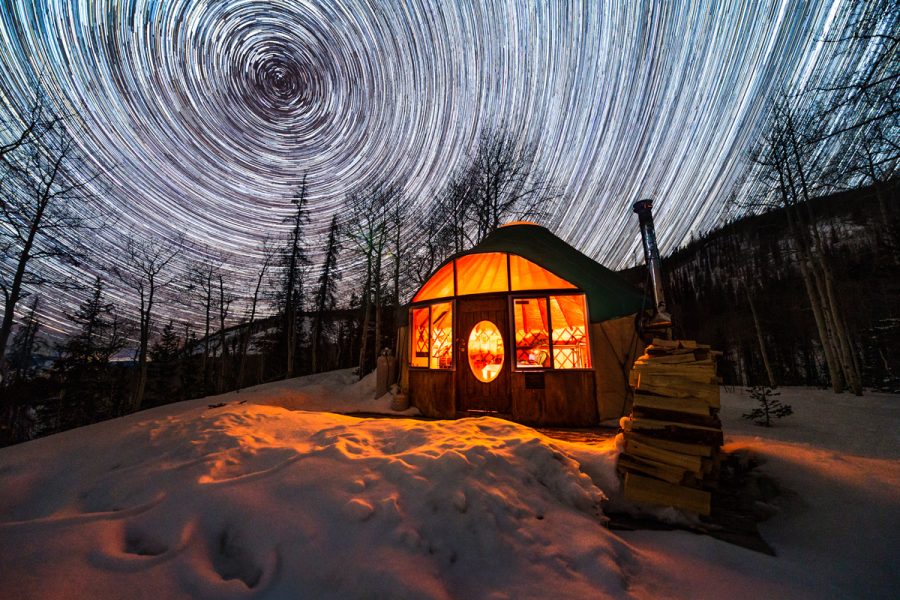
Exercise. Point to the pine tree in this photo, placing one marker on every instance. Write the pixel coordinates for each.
(769, 407)
(326, 292)
(294, 262)
(88, 392)
(164, 357)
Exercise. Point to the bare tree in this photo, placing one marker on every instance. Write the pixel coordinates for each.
(502, 183)
(224, 304)
(201, 284)
(148, 267)
(785, 163)
(367, 230)
(268, 257)
(44, 204)
(866, 90)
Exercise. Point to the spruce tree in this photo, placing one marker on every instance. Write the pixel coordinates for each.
(294, 262)
(88, 390)
(326, 292)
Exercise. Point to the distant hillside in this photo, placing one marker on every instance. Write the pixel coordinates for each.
(705, 284)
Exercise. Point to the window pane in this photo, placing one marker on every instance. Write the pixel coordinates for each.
(526, 275)
(481, 273)
(418, 355)
(439, 286)
(571, 349)
(485, 351)
(442, 336)
(532, 336)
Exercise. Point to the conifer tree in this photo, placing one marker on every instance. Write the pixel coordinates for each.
(326, 291)
(294, 262)
(88, 391)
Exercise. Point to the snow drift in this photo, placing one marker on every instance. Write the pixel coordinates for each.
(253, 500)
(249, 500)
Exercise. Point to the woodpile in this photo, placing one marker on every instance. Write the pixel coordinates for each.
(672, 439)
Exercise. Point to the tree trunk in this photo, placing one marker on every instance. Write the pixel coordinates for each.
(205, 365)
(759, 337)
(222, 315)
(367, 308)
(824, 277)
(12, 299)
(378, 307)
(834, 372)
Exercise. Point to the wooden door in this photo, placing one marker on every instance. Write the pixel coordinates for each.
(472, 392)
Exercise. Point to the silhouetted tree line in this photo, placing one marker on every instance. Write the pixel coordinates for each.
(740, 288)
(230, 332)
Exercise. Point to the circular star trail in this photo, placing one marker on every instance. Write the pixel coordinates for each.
(205, 114)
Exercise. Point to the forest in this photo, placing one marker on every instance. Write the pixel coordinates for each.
(740, 289)
(798, 285)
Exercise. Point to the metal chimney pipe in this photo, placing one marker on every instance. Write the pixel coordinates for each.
(644, 209)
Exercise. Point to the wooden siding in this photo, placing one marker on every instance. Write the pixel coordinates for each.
(433, 392)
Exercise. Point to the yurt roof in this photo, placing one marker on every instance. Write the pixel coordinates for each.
(609, 295)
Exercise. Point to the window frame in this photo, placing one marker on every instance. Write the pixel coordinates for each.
(428, 304)
(545, 296)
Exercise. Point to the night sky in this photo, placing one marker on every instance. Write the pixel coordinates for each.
(205, 114)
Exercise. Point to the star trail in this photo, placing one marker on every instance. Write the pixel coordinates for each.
(203, 115)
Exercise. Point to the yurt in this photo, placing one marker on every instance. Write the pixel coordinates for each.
(522, 326)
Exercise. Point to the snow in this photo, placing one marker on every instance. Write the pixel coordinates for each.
(269, 497)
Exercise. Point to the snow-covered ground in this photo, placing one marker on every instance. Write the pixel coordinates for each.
(267, 498)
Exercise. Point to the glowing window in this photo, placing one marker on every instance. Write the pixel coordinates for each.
(552, 327)
(431, 339)
(481, 273)
(532, 333)
(485, 351)
(419, 338)
(526, 275)
(441, 336)
(439, 286)
(571, 349)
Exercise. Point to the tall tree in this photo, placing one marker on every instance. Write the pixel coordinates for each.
(294, 262)
(87, 395)
(368, 211)
(224, 304)
(44, 203)
(24, 344)
(165, 355)
(268, 256)
(201, 284)
(147, 269)
(786, 167)
(503, 182)
(326, 292)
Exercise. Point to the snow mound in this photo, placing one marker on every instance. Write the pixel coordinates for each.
(256, 500)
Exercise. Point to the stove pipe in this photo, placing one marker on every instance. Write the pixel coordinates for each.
(661, 319)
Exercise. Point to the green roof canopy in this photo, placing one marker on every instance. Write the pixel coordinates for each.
(609, 295)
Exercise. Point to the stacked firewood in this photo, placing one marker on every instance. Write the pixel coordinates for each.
(671, 440)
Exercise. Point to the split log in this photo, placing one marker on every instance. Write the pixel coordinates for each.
(653, 491)
(630, 464)
(680, 447)
(693, 406)
(684, 461)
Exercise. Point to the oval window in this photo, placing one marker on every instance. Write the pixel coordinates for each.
(485, 351)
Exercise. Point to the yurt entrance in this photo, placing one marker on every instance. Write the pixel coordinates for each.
(485, 355)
